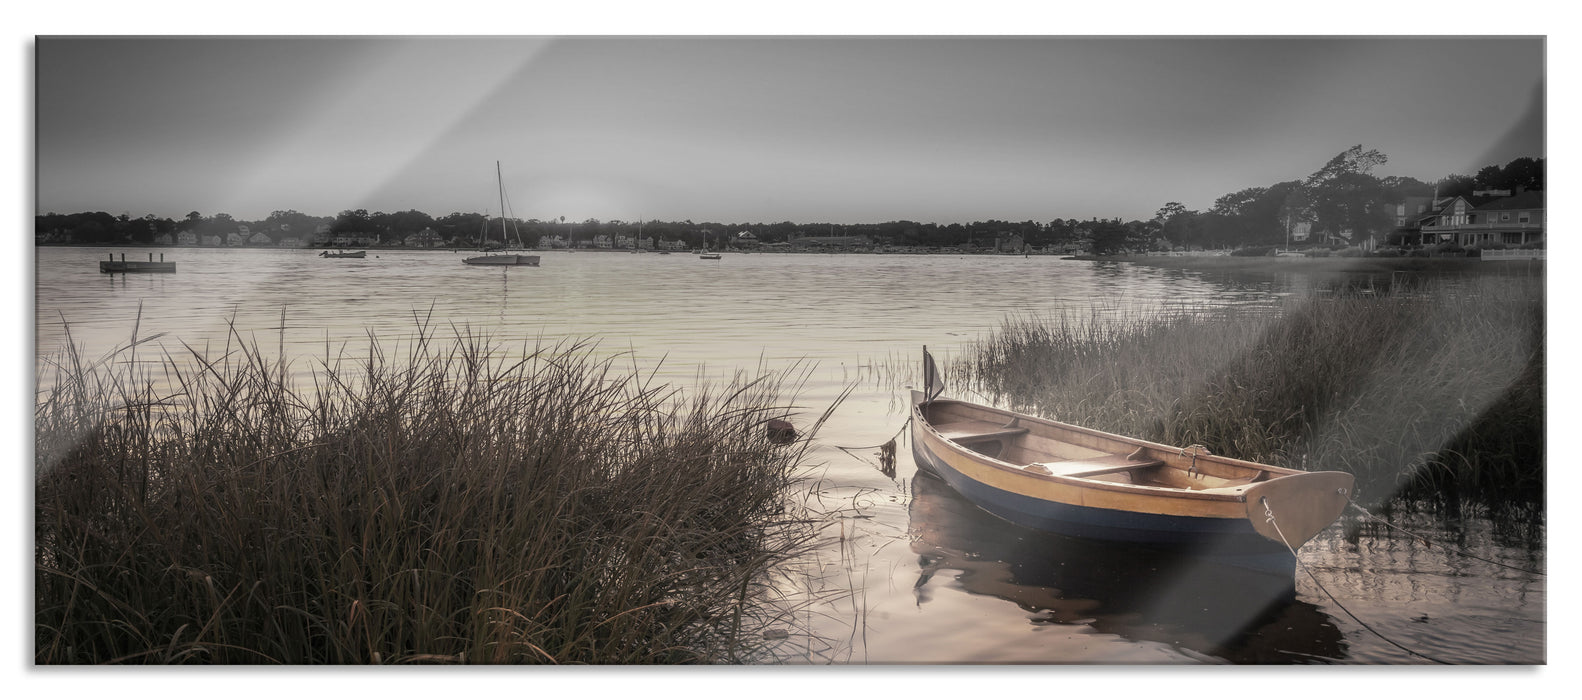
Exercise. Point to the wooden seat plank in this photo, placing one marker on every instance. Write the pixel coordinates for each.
(1097, 465)
(972, 430)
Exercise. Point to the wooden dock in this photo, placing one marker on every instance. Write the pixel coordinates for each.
(123, 265)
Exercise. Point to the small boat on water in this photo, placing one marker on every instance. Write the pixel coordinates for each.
(510, 259)
(503, 259)
(1062, 478)
(705, 255)
(343, 254)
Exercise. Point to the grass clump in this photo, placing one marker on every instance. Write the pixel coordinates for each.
(1431, 392)
(451, 506)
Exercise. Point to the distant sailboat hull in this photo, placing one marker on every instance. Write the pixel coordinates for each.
(529, 260)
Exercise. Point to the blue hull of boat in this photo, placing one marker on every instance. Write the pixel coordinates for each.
(1229, 542)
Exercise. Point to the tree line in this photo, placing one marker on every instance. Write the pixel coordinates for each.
(1342, 195)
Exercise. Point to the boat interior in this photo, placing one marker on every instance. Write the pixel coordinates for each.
(1054, 450)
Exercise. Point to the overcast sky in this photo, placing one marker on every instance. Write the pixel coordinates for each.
(816, 129)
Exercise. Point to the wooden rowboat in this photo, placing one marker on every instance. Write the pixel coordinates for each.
(1071, 480)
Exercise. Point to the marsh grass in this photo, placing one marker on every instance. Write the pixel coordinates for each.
(1429, 393)
(455, 503)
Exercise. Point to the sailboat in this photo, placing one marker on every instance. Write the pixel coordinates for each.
(705, 254)
(499, 259)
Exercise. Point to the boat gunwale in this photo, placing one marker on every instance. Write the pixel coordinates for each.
(1224, 493)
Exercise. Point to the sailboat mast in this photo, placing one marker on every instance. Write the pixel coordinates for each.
(500, 183)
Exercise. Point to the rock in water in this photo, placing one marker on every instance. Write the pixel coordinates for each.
(781, 432)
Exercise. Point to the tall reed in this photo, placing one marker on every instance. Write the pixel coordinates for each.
(458, 504)
(1427, 392)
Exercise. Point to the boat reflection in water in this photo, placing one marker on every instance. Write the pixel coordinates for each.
(1139, 592)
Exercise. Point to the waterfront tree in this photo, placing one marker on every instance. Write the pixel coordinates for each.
(1520, 174)
(1177, 224)
(353, 221)
(1112, 237)
(1455, 186)
(1344, 196)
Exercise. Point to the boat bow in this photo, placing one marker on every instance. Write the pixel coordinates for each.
(1296, 507)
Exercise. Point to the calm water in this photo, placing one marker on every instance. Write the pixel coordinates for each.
(911, 574)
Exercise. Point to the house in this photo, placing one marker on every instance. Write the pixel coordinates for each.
(1408, 219)
(427, 238)
(186, 238)
(745, 239)
(1475, 221)
(235, 239)
(1411, 208)
(356, 240)
(164, 239)
(260, 238)
(1008, 242)
(1299, 231)
(212, 240)
(625, 242)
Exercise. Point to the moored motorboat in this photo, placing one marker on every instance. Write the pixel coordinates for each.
(1072, 480)
(343, 254)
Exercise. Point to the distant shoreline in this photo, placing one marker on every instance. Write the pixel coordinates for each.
(1231, 263)
(1206, 263)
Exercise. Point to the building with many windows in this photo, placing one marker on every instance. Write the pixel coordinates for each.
(1497, 217)
(427, 238)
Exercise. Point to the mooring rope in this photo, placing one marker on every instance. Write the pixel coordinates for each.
(882, 444)
(1430, 543)
(1269, 513)
(886, 452)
